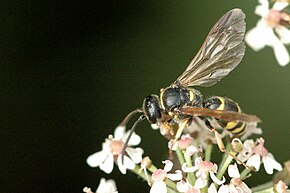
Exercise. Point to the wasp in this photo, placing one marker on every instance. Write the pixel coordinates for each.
(221, 52)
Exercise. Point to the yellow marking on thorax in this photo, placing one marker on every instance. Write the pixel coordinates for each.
(161, 99)
(222, 105)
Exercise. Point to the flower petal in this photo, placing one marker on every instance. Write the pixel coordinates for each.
(212, 189)
(189, 169)
(281, 52)
(215, 179)
(134, 139)
(270, 163)
(168, 165)
(108, 186)
(200, 183)
(158, 187)
(126, 164)
(256, 37)
(135, 154)
(255, 161)
(263, 8)
(108, 164)
(97, 159)
(119, 132)
(175, 176)
(233, 171)
(284, 34)
(280, 5)
(182, 186)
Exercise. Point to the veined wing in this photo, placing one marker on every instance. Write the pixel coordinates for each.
(221, 52)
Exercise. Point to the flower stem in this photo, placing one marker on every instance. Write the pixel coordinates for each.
(244, 173)
(171, 185)
(224, 165)
(208, 151)
(263, 187)
(190, 176)
(137, 170)
(180, 156)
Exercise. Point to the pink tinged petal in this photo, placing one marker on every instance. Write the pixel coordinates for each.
(126, 164)
(108, 164)
(270, 163)
(191, 150)
(215, 179)
(198, 160)
(280, 5)
(159, 175)
(158, 187)
(176, 176)
(119, 132)
(182, 186)
(97, 159)
(212, 189)
(135, 154)
(134, 140)
(284, 34)
(168, 165)
(233, 171)
(200, 183)
(189, 169)
(255, 161)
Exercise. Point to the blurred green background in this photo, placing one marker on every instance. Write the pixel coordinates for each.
(71, 70)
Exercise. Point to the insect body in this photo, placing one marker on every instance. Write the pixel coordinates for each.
(221, 52)
(237, 128)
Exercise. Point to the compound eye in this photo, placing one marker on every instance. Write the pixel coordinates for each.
(152, 108)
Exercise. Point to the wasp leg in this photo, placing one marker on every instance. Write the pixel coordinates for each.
(177, 136)
(222, 148)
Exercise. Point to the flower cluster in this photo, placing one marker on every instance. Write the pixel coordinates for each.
(272, 20)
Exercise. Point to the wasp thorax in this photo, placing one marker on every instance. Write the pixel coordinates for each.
(151, 108)
(176, 97)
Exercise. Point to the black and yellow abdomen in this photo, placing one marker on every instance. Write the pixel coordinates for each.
(223, 103)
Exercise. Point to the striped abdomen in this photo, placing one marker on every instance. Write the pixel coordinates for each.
(223, 103)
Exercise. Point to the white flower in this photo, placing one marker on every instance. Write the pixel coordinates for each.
(202, 169)
(255, 154)
(105, 186)
(281, 187)
(112, 148)
(185, 186)
(263, 35)
(236, 181)
(185, 143)
(158, 177)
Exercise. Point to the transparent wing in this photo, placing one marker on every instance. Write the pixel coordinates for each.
(221, 52)
(219, 114)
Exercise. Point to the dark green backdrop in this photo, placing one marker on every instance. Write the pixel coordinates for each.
(70, 71)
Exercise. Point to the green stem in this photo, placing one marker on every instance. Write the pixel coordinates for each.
(180, 156)
(263, 187)
(137, 170)
(170, 184)
(244, 173)
(223, 166)
(190, 176)
(208, 151)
